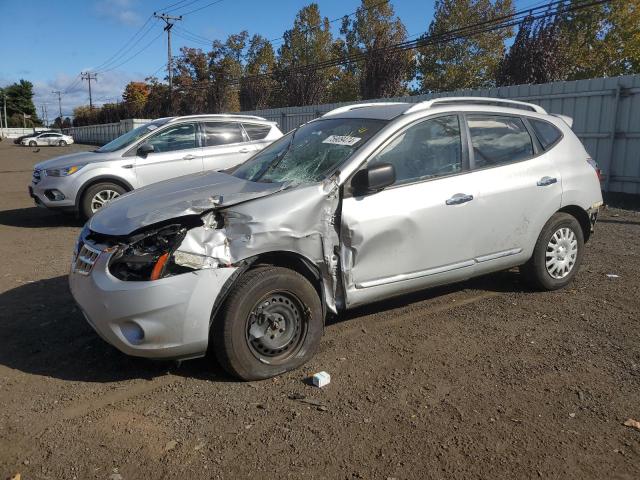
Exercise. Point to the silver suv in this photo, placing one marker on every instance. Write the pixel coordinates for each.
(162, 149)
(367, 202)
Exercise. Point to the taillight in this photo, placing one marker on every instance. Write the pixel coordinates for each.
(595, 166)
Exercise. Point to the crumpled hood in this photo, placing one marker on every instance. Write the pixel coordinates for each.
(188, 195)
(72, 159)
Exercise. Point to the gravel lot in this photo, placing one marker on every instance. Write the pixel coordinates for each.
(483, 379)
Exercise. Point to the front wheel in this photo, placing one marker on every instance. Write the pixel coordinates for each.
(557, 254)
(270, 323)
(33, 144)
(97, 196)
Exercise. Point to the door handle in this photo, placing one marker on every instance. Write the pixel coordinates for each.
(544, 181)
(189, 157)
(459, 198)
(244, 150)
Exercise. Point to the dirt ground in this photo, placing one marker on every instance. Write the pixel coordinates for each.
(483, 379)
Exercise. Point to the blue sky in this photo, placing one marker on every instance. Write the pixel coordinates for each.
(49, 42)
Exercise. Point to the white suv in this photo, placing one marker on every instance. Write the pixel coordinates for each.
(368, 202)
(159, 150)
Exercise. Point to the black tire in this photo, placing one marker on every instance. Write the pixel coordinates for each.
(268, 288)
(535, 271)
(33, 144)
(62, 143)
(86, 210)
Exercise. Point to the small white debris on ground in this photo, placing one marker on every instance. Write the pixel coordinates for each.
(321, 379)
(612, 275)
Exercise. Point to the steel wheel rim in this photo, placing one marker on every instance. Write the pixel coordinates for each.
(561, 253)
(276, 327)
(101, 198)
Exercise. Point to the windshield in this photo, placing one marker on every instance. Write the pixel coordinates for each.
(130, 137)
(311, 152)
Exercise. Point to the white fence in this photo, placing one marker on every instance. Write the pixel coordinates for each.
(103, 133)
(18, 132)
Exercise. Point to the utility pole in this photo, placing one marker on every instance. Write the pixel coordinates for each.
(6, 120)
(168, 19)
(59, 93)
(89, 76)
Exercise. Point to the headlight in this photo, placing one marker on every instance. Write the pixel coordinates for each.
(63, 172)
(147, 256)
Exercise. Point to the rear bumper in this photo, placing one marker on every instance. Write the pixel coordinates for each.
(166, 318)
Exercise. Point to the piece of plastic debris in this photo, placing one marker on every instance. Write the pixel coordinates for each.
(612, 275)
(632, 423)
(321, 379)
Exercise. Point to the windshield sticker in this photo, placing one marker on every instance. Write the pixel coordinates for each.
(341, 140)
(151, 127)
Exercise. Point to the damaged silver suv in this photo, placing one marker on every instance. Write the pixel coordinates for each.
(367, 202)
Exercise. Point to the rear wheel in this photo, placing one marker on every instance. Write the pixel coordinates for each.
(557, 255)
(62, 143)
(270, 324)
(96, 196)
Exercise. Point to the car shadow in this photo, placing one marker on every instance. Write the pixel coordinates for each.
(44, 333)
(35, 217)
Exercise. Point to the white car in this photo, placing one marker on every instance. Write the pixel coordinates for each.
(52, 139)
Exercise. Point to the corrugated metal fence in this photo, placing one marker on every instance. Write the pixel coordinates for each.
(606, 113)
(103, 133)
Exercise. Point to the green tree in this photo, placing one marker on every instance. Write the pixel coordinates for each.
(19, 103)
(257, 84)
(384, 72)
(226, 68)
(536, 54)
(450, 62)
(309, 41)
(602, 40)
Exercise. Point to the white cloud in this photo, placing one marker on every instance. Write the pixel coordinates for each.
(108, 88)
(121, 11)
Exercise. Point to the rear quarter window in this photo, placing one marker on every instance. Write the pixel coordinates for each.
(498, 140)
(256, 131)
(548, 135)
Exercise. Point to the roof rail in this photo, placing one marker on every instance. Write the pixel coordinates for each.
(234, 115)
(498, 102)
(353, 106)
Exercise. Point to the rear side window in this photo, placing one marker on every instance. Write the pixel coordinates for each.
(222, 133)
(255, 131)
(498, 139)
(547, 134)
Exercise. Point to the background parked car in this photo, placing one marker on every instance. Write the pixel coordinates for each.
(159, 150)
(19, 139)
(48, 139)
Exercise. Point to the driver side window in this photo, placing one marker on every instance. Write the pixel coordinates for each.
(432, 148)
(180, 137)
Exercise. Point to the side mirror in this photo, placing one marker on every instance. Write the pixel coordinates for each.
(373, 179)
(144, 149)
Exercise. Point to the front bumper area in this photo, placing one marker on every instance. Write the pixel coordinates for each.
(42, 192)
(166, 318)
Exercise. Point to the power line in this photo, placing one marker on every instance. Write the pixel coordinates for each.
(202, 8)
(134, 55)
(121, 51)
